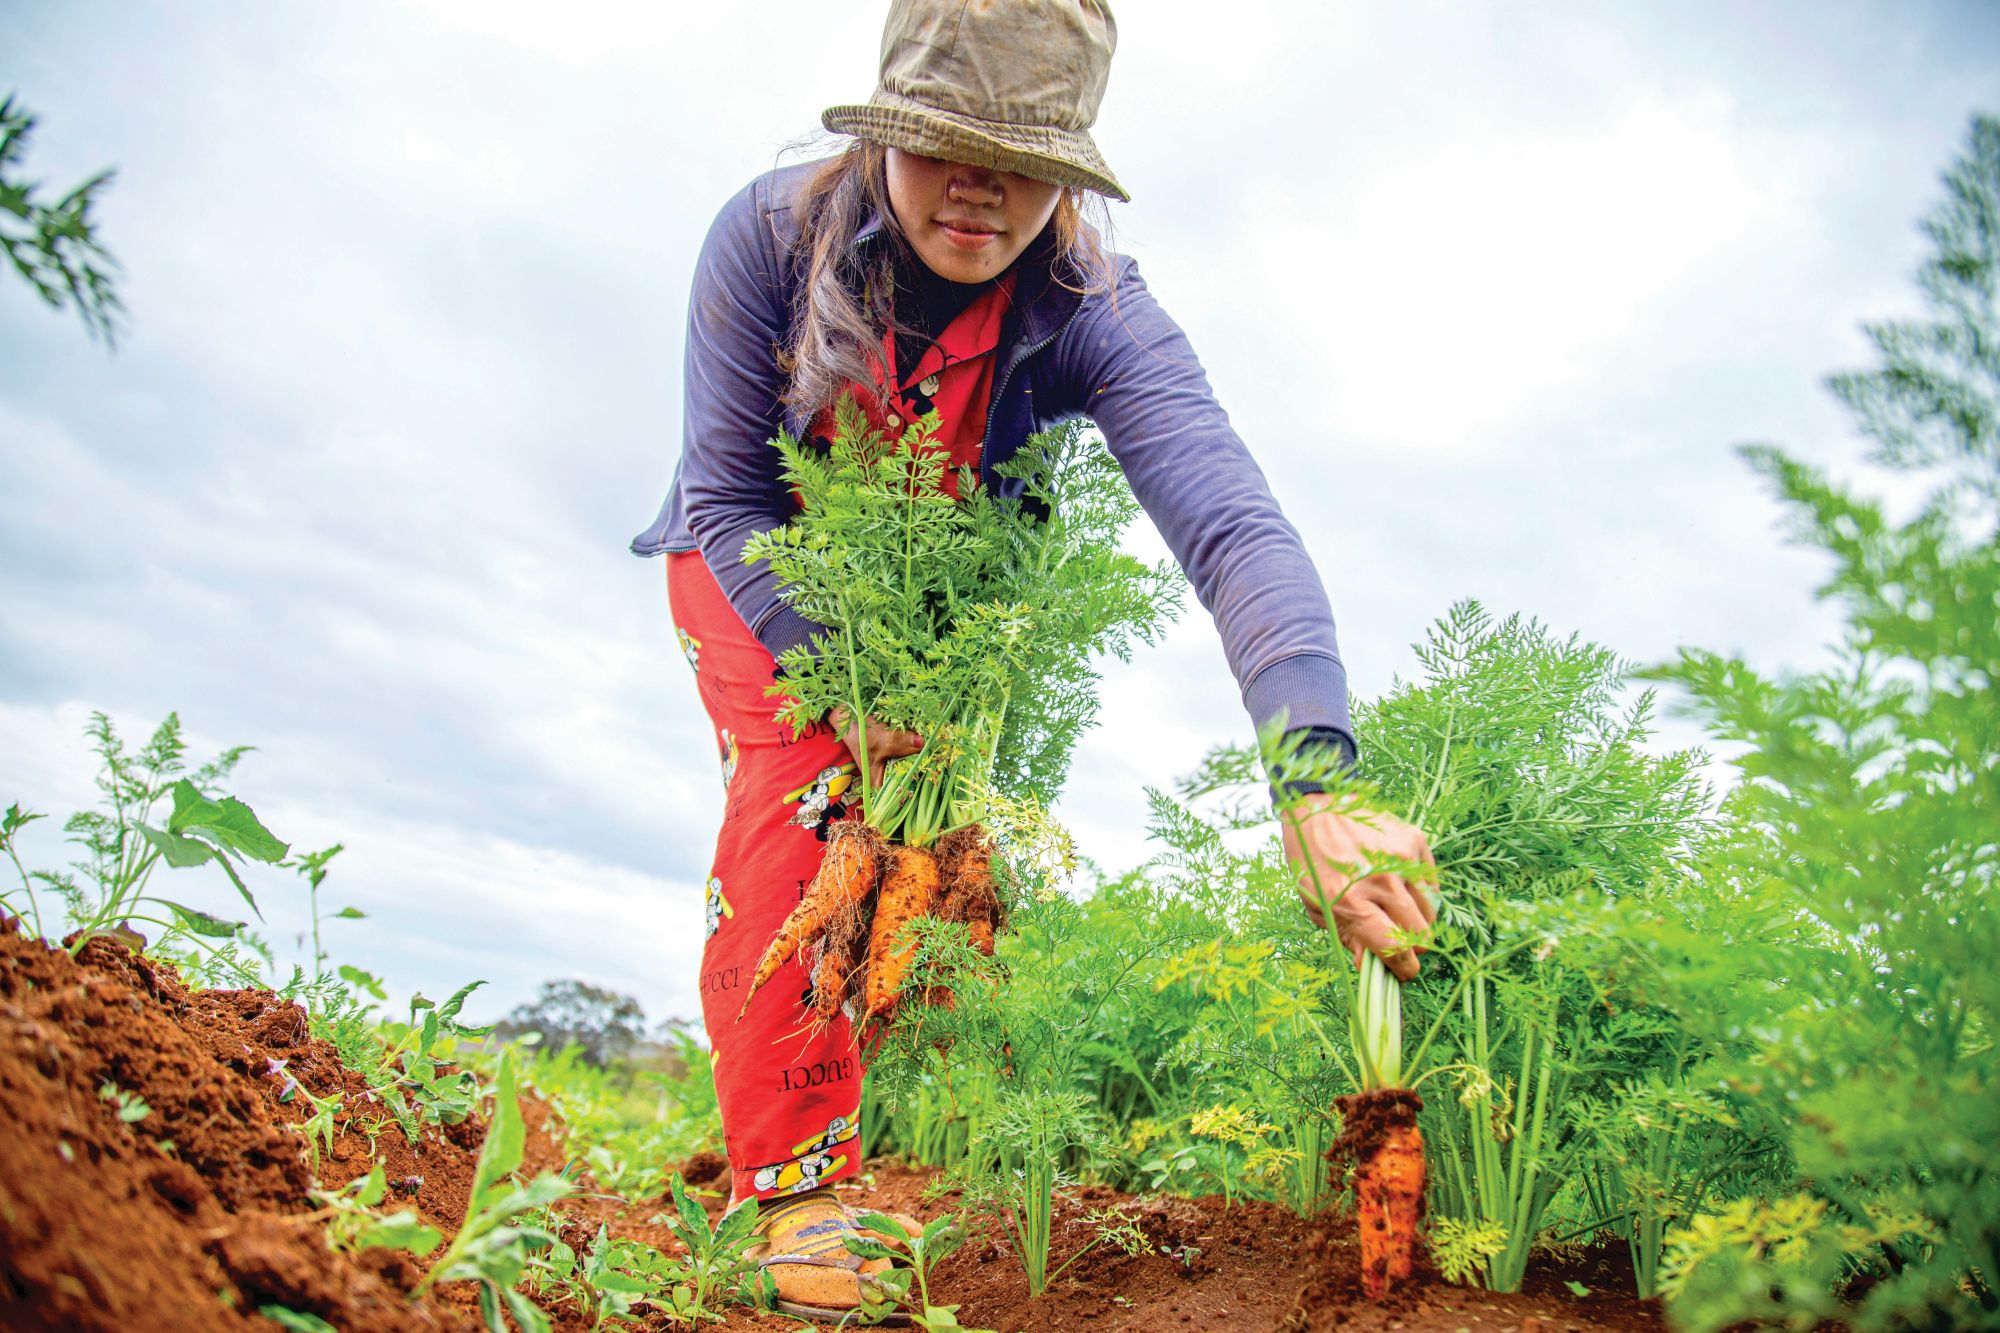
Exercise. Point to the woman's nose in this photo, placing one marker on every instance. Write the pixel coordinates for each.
(968, 184)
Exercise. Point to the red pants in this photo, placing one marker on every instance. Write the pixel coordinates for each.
(791, 1099)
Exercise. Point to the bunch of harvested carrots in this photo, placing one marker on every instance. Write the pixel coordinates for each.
(858, 909)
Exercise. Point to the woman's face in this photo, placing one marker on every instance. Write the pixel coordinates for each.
(967, 223)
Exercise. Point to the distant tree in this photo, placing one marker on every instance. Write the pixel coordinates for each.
(604, 1023)
(54, 247)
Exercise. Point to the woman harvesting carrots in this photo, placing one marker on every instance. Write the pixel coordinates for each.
(940, 263)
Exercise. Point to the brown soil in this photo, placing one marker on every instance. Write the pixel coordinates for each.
(191, 1216)
(195, 1215)
(1247, 1268)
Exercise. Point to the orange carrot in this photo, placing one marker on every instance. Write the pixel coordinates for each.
(846, 874)
(1389, 1191)
(1380, 1132)
(965, 857)
(909, 890)
(829, 980)
(982, 935)
(841, 956)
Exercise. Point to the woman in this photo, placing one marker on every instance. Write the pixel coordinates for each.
(941, 263)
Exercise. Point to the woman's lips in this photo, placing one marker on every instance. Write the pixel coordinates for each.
(968, 236)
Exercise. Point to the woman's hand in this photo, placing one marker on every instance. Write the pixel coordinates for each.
(1328, 847)
(884, 743)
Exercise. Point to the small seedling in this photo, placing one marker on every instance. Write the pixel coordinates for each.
(891, 1289)
(353, 1224)
(716, 1268)
(132, 1107)
(494, 1245)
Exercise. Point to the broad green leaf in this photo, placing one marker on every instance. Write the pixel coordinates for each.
(883, 1223)
(366, 981)
(181, 853)
(297, 1320)
(402, 1231)
(448, 1011)
(201, 923)
(737, 1223)
(867, 1248)
(178, 851)
(350, 914)
(526, 1313)
(621, 1282)
(227, 822)
(693, 1216)
(374, 1187)
(500, 1155)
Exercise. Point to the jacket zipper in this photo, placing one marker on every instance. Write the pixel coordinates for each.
(1006, 375)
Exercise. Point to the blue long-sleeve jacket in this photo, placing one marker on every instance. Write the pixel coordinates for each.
(1115, 357)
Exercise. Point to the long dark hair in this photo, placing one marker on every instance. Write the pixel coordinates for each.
(843, 307)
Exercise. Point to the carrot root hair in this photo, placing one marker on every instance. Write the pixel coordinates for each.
(846, 874)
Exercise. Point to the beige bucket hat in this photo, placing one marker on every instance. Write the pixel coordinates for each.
(1009, 84)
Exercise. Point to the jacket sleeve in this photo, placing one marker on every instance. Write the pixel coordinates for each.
(729, 479)
(1145, 388)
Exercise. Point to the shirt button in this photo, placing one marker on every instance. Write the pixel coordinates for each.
(929, 386)
(894, 421)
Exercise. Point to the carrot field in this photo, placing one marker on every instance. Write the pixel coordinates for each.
(1703, 1040)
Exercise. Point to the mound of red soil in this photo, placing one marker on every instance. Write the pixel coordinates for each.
(195, 1214)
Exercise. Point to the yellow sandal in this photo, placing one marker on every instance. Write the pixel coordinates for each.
(805, 1252)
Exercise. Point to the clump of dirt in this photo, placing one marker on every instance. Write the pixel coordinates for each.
(1367, 1119)
(186, 1215)
(706, 1171)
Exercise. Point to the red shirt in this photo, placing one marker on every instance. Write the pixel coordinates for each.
(953, 377)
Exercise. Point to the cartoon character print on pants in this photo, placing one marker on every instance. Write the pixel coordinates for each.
(716, 905)
(732, 755)
(690, 646)
(811, 1161)
(823, 800)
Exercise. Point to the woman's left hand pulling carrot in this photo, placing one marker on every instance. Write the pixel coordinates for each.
(884, 743)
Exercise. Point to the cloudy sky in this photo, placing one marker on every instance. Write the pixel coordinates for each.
(1491, 290)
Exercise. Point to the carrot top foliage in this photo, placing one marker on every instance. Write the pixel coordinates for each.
(971, 621)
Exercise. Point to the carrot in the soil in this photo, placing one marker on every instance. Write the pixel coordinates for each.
(909, 890)
(1389, 1190)
(1380, 1131)
(846, 873)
